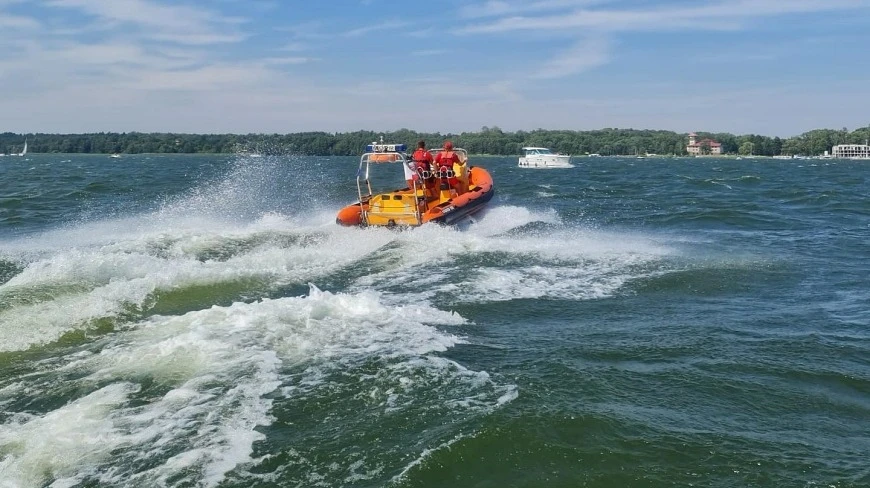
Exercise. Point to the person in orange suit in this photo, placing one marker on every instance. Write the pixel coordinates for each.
(444, 162)
(423, 161)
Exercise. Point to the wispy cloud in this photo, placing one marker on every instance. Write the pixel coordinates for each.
(17, 22)
(232, 65)
(586, 54)
(716, 16)
(293, 47)
(383, 26)
(288, 60)
(593, 22)
(428, 52)
(212, 77)
(497, 8)
(170, 23)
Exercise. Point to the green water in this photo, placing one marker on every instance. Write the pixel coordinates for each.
(201, 321)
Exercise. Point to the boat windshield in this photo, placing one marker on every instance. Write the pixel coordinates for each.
(531, 151)
(385, 178)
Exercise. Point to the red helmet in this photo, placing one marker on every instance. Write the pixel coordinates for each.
(448, 145)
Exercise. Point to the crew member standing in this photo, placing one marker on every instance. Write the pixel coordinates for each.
(444, 162)
(423, 161)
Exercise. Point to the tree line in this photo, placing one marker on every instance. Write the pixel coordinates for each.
(488, 140)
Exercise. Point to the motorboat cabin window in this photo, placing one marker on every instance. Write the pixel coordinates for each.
(533, 151)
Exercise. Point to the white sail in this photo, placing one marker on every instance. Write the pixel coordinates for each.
(24, 151)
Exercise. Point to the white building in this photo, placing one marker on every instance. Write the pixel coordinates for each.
(851, 151)
(695, 147)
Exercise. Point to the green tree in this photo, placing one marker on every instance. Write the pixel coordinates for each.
(489, 140)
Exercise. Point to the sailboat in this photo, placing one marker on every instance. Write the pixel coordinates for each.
(23, 151)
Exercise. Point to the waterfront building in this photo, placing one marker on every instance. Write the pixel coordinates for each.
(694, 147)
(851, 151)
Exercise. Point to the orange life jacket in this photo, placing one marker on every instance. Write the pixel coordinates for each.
(423, 159)
(446, 159)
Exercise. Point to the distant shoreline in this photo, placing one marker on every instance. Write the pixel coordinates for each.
(574, 157)
(487, 141)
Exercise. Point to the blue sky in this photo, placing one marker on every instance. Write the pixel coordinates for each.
(775, 67)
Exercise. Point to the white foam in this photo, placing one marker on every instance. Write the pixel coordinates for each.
(102, 279)
(79, 276)
(539, 282)
(582, 244)
(573, 264)
(427, 453)
(216, 367)
(503, 218)
(470, 391)
(569, 264)
(60, 443)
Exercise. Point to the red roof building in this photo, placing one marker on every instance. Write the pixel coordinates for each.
(694, 147)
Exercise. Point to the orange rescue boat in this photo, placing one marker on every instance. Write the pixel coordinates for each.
(416, 204)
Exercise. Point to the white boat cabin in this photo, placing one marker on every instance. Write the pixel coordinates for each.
(542, 157)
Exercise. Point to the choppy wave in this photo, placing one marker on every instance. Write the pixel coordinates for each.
(177, 398)
(168, 361)
(222, 331)
(114, 271)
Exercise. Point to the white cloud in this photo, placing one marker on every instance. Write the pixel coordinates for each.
(592, 26)
(17, 22)
(261, 100)
(728, 14)
(211, 77)
(586, 54)
(169, 23)
(201, 38)
(288, 60)
(150, 65)
(383, 26)
(496, 8)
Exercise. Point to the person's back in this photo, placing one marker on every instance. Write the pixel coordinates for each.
(446, 158)
(444, 161)
(423, 165)
(422, 157)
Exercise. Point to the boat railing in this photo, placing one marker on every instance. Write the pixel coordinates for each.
(379, 153)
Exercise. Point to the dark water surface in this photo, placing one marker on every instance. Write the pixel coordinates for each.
(201, 321)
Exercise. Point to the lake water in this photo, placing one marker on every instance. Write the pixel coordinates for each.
(201, 321)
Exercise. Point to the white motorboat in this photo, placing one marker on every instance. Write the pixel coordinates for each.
(541, 157)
